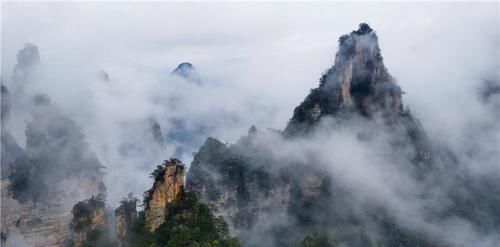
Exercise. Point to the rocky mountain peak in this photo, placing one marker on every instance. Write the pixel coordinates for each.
(27, 59)
(183, 69)
(357, 82)
(28, 56)
(187, 71)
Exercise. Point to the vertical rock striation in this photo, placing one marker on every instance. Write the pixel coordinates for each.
(126, 217)
(168, 186)
(358, 82)
(45, 223)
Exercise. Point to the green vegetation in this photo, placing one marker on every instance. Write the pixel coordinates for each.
(364, 28)
(126, 213)
(191, 223)
(140, 235)
(188, 223)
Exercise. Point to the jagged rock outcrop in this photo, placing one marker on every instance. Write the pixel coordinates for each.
(27, 59)
(88, 223)
(187, 71)
(168, 186)
(26, 69)
(126, 217)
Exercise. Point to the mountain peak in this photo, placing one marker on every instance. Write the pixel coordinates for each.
(364, 28)
(168, 186)
(29, 55)
(184, 70)
(357, 82)
(187, 71)
(28, 59)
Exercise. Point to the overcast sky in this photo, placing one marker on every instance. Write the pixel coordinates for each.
(260, 47)
(259, 60)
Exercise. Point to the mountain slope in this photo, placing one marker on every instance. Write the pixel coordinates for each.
(352, 164)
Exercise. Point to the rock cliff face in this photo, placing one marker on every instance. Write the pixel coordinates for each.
(168, 186)
(38, 194)
(44, 223)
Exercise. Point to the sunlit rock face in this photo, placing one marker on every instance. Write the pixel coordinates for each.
(168, 186)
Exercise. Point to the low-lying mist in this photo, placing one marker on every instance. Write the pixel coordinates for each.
(109, 70)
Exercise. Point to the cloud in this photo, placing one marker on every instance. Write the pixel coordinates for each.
(372, 178)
